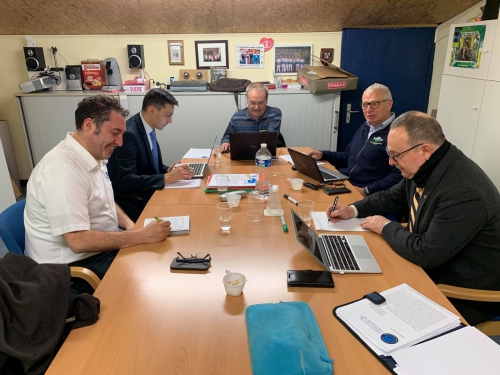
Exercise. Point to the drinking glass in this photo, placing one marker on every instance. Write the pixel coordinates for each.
(225, 213)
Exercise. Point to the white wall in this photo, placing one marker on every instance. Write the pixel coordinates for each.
(440, 54)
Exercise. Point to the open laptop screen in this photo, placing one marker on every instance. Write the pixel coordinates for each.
(306, 236)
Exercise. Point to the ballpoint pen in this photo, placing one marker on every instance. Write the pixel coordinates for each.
(291, 199)
(283, 224)
(334, 205)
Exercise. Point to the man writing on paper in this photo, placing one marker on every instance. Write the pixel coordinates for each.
(453, 231)
(136, 169)
(364, 160)
(257, 117)
(71, 216)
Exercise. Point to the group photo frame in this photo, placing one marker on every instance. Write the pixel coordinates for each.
(288, 59)
(211, 53)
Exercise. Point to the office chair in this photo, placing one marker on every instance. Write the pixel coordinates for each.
(12, 233)
(491, 328)
(280, 141)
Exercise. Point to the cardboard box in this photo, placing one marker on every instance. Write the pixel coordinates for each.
(135, 88)
(326, 79)
(94, 74)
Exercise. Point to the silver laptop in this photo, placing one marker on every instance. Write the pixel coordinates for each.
(338, 253)
(307, 165)
(200, 168)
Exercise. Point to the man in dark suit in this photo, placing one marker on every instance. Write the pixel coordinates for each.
(136, 169)
(453, 231)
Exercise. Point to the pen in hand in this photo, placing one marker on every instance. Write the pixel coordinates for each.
(158, 219)
(334, 205)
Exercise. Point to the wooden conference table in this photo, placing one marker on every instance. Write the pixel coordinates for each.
(157, 321)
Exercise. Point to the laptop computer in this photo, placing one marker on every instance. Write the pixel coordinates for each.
(307, 165)
(200, 168)
(244, 146)
(338, 253)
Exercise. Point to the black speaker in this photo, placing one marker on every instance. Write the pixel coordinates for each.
(136, 56)
(491, 10)
(35, 60)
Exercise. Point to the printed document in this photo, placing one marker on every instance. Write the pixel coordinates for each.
(198, 153)
(184, 184)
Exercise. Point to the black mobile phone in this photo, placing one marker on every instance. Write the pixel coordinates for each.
(374, 297)
(311, 186)
(335, 191)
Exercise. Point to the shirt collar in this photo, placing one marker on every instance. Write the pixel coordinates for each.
(84, 156)
(384, 124)
(147, 127)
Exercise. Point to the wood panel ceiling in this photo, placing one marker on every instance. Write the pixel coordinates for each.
(90, 17)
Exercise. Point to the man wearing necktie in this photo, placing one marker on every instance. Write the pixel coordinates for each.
(453, 229)
(136, 169)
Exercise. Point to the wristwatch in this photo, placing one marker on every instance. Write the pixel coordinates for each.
(366, 191)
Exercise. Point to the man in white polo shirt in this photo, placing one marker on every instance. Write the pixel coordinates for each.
(71, 216)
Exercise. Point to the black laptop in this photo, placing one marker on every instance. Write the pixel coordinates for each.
(307, 165)
(244, 146)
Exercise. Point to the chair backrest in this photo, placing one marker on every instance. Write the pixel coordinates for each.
(12, 227)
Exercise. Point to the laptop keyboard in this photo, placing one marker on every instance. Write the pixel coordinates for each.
(340, 253)
(198, 168)
(328, 176)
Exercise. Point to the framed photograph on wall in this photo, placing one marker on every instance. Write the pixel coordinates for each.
(175, 52)
(250, 56)
(289, 59)
(211, 53)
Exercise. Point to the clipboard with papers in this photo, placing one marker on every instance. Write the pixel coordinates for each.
(406, 319)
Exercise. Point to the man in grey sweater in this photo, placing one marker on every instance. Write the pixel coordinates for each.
(453, 229)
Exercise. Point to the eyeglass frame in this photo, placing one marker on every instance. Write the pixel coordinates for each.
(377, 106)
(194, 259)
(401, 153)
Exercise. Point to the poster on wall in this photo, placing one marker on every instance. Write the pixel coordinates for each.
(289, 59)
(467, 46)
(250, 56)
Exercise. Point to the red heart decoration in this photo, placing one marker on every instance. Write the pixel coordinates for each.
(268, 43)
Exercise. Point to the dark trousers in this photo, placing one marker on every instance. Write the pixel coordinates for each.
(98, 263)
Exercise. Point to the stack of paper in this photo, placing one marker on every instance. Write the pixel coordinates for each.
(236, 181)
(198, 153)
(406, 318)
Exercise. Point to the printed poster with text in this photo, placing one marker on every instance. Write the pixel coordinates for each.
(467, 46)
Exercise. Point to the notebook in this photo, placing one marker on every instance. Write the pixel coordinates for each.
(178, 224)
(307, 165)
(200, 168)
(244, 146)
(338, 253)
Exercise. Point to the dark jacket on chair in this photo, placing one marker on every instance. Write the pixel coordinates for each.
(132, 172)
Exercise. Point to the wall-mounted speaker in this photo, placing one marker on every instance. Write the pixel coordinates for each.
(35, 60)
(136, 56)
(193, 75)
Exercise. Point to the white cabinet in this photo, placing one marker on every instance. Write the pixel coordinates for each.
(459, 106)
(485, 53)
(486, 151)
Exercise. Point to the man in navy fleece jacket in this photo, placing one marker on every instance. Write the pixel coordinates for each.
(365, 160)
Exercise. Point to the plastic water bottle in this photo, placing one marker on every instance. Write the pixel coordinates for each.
(263, 165)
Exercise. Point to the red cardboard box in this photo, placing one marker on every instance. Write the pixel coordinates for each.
(94, 74)
(326, 79)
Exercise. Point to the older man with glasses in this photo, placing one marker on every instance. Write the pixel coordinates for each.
(453, 230)
(364, 160)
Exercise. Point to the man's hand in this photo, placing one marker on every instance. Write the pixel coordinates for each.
(156, 231)
(181, 172)
(316, 154)
(341, 213)
(375, 223)
(360, 190)
(224, 147)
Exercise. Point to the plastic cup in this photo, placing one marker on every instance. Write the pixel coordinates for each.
(225, 214)
(233, 199)
(234, 283)
(296, 183)
(217, 154)
(256, 209)
(222, 184)
(305, 210)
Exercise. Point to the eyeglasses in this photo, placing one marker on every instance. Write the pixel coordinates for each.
(393, 157)
(374, 105)
(190, 258)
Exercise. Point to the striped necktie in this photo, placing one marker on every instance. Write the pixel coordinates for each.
(154, 150)
(414, 207)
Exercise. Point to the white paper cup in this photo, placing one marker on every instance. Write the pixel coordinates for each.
(234, 283)
(296, 183)
(233, 199)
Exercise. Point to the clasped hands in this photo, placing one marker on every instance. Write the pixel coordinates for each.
(373, 223)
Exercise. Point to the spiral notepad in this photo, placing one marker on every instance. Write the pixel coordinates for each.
(179, 224)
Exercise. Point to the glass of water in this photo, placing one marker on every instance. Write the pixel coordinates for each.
(217, 154)
(225, 212)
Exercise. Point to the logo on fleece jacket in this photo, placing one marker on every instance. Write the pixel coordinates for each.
(377, 141)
